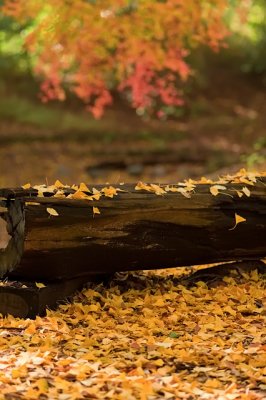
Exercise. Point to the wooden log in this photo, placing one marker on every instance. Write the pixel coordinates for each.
(136, 229)
(24, 299)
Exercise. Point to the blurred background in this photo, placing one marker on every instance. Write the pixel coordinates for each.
(220, 128)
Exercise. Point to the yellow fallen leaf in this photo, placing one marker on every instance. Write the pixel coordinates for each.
(96, 210)
(83, 187)
(96, 194)
(159, 362)
(30, 329)
(184, 192)
(52, 211)
(157, 189)
(26, 186)
(39, 285)
(42, 385)
(93, 307)
(238, 220)
(229, 310)
(159, 303)
(142, 186)
(213, 383)
(60, 193)
(215, 189)
(171, 189)
(203, 179)
(58, 184)
(19, 372)
(79, 195)
(109, 191)
(95, 191)
(189, 185)
(254, 275)
(246, 191)
(246, 181)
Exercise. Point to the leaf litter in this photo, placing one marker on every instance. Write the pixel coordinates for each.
(145, 335)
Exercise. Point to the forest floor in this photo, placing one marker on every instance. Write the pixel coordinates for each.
(222, 131)
(147, 335)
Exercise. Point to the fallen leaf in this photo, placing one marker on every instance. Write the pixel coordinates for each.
(184, 192)
(143, 186)
(171, 189)
(42, 385)
(246, 191)
(52, 211)
(96, 194)
(79, 195)
(83, 187)
(96, 210)
(31, 329)
(246, 181)
(109, 191)
(60, 193)
(238, 220)
(204, 180)
(26, 186)
(157, 189)
(40, 285)
(58, 184)
(215, 189)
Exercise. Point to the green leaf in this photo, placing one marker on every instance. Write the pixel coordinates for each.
(174, 335)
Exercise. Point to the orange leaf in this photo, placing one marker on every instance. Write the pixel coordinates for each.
(83, 187)
(109, 191)
(96, 210)
(26, 186)
(79, 195)
(58, 184)
(238, 220)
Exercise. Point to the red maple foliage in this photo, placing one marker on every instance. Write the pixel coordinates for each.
(138, 48)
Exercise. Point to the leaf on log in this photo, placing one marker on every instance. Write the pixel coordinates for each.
(246, 191)
(238, 220)
(96, 210)
(52, 211)
(26, 186)
(215, 190)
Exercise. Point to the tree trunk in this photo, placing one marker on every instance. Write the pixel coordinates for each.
(134, 230)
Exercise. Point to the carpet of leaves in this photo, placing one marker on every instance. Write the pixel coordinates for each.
(144, 335)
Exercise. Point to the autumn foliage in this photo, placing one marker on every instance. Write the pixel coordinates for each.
(138, 48)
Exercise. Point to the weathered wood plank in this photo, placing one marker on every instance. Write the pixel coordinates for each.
(134, 230)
